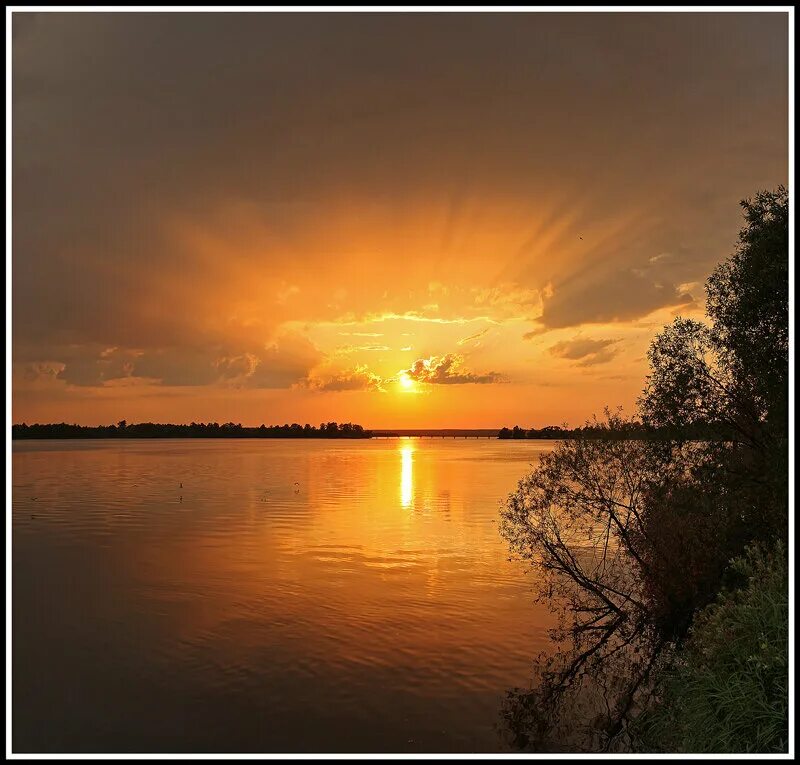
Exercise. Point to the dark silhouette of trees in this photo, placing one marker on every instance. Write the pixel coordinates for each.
(193, 430)
(735, 370)
(630, 429)
(632, 524)
(580, 519)
(748, 303)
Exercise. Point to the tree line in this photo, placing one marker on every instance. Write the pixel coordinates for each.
(193, 430)
(633, 429)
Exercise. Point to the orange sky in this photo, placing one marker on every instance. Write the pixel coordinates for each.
(403, 220)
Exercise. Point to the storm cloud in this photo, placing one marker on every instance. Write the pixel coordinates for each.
(585, 351)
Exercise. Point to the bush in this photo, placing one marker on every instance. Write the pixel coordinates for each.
(728, 691)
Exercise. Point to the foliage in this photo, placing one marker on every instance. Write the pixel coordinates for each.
(625, 555)
(729, 690)
(748, 303)
(632, 429)
(579, 519)
(734, 371)
(632, 535)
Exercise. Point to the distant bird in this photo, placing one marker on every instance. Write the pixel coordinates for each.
(181, 486)
(33, 499)
(581, 238)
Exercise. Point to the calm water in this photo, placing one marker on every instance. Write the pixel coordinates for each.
(292, 596)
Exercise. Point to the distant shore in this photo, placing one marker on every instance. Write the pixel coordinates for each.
(194, 430)
(346, 430)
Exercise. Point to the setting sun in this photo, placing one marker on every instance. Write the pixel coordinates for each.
(406, 383)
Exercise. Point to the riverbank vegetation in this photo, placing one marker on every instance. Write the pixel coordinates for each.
(627, 429)
(728, 688)
(666, 558)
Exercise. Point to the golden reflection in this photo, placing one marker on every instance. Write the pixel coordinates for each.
(406, 475)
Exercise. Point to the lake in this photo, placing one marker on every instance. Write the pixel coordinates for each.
(267, 595)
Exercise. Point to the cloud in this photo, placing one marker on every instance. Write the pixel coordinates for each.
(286, 292)
(182, 366)
(585, 351)
(510, 301)
(283, 362)
(344, 350)
(278, 364)
(465, 340)
(93, 365)
(38, 372)
(535, 332)
(414, 315)
(236, 370)
(615, 296)
(359, 378)
(220, 176)
(448, 370)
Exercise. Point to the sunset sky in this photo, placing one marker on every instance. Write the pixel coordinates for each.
(402, 220)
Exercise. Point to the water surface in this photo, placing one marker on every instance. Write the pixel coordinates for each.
(266, 595)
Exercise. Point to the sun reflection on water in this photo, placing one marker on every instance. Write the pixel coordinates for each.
(406, 475)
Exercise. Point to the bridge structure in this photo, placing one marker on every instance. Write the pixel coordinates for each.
(436, 433)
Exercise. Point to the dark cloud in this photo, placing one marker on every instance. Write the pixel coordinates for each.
(109, 364)
(616, 296)
(585, 351)
(39, 371)
(279, 364)
(605, 290)
(286, 361)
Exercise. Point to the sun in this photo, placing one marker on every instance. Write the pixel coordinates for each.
(405, 381)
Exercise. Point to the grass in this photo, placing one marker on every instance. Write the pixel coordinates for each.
(728, 692)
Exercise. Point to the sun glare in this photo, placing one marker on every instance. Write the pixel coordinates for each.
(406, 382)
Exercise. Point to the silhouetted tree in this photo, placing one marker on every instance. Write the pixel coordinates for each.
(734, 370)
(635, 536)
(579, 518)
